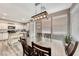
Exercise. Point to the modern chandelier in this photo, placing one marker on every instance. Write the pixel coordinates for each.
(42, 14)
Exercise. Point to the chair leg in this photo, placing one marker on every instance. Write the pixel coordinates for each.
(23, 53)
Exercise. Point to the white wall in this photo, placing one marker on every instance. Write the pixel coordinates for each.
(4, 25)
(74, 13)
(32, 31)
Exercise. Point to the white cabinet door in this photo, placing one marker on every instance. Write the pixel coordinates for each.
(0, 36)
(19, 26)
(5, 36)
(3, 26)
(0, 26)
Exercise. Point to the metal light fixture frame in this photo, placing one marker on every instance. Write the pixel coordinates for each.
(41, 15)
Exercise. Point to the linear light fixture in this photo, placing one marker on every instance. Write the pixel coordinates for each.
(40, 15)
(36, 4)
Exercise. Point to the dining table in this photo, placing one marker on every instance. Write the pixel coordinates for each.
(57, 46)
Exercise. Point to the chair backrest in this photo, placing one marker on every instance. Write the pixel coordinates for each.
(72, 48)
(24, 45)
(40, 50)
(23, 41)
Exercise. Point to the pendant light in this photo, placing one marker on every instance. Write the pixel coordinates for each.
(42, 14)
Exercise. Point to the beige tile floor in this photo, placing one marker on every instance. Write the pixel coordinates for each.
(10, 50)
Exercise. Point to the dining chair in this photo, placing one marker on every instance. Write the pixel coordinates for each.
(72, 46)
(40, 50)
(26, 48)
(66, 46)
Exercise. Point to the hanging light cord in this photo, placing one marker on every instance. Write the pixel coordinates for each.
(41, 7)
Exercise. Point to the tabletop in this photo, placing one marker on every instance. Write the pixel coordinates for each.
(57, 46)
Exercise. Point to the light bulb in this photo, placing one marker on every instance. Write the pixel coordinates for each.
(37, 17)
(41, 16)
(44, 16)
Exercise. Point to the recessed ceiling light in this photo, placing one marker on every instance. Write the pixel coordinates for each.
(3, 17)
(5, 14)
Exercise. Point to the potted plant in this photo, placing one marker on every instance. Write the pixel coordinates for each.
(68, 39)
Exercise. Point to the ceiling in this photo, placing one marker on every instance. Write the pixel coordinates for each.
(22, 12)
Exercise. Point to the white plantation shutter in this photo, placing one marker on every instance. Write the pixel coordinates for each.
(59, 24)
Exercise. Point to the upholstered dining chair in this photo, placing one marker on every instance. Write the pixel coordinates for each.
(72, 46)
(40, 50)
(26, 48)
